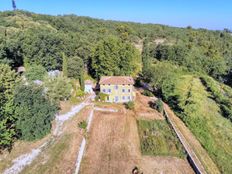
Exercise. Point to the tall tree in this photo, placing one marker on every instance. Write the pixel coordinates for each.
(114, 57)
(76, 69)
(34, 112)
(65, 65)
(8, 81)
(14, 5)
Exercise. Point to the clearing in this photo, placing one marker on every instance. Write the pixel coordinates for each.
(113, 146)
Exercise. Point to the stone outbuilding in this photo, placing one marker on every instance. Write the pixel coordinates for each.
(89, 85)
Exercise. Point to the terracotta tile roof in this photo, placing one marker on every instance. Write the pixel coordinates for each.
(88, 82)
(116, 80)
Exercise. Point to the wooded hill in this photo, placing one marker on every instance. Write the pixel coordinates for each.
(191, 69)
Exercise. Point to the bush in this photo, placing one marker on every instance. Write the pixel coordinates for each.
(8, 82)
(58, 88)
(34, 112)
(101, 96)
(35, 72)
(80, 93)
(82, 125)
(158, 105)
(148, 93)
(130, 105)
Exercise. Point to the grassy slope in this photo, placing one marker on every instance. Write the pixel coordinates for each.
(157, 138)
(202, 115)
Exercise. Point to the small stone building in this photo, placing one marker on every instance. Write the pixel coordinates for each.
(89, 85)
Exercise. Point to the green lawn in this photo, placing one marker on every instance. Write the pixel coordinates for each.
(158, 139)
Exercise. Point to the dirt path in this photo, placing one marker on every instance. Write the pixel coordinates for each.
(113, 147)
(200, 155)
(60, 157)
(24, 160)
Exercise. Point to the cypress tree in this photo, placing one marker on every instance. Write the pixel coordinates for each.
(14, 5)
(65, 66)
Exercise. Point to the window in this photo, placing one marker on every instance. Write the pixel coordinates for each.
(129, 98)
(116, 87)
(109, 90)
(123, 97)
(129, 90)
(104, 90)
(116, 99)
(123, 90)
(108, 98)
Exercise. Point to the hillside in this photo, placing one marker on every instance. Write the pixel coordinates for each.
(191, 69)
(199, 50)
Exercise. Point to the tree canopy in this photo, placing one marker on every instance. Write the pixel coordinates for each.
(8, 81)
(112, 56)
(34, 112)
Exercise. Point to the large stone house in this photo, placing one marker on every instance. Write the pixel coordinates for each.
(119, 89)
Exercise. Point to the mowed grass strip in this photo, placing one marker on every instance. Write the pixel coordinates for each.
(158, 139)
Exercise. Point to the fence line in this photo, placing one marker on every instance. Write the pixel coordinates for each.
(193, 159)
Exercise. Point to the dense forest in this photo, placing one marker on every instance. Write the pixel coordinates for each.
(191, 69)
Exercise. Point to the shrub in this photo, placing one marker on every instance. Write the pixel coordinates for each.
(58, 88)
(35, 72)
(158, 105)
(101, 96)
(34, 112)
(80, 93)
(82, 125)
(148, 93)
(130, 105)
(8, 82)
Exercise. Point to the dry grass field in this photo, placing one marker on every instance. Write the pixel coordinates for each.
(114, 147)
(60, 157)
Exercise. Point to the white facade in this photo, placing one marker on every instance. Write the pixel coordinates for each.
(88, 88)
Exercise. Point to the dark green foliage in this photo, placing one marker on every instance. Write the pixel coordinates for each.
(35, 72)
(158, 105)
(130, 105)
(82, 125)
(148, 93)
(76, 70)
(75, 67)
(43, 47)
(8, 82)
(160, 72)
(34, 112)
(101, 96)
(157, 138)
(11, 50)
(82, 82)
(43, 39)
(57, 88)
(114, 57)
(65, 65)
(201, 51)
